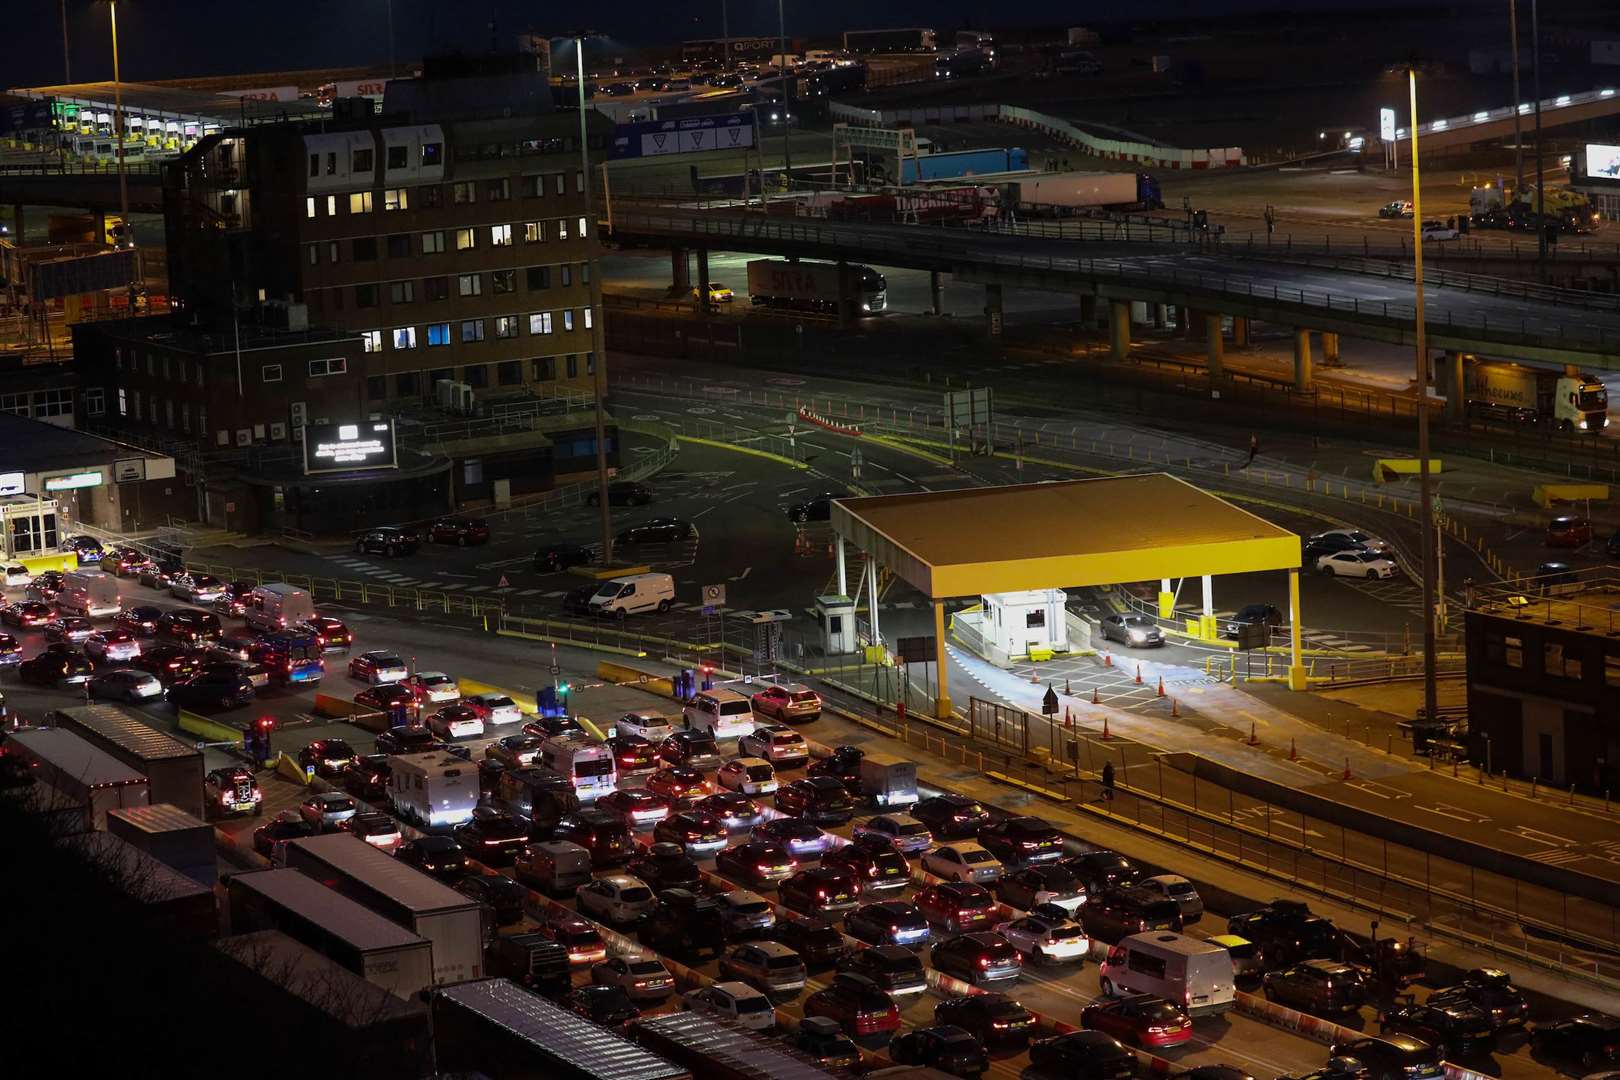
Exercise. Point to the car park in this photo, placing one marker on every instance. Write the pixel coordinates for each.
(1136, 631)
(130, 685)
(787, 703)
(641, 977)
(783, 747)
(749, 775)
(323, 810)
(1142, 1020)
(1043, 940)
(1392, 1057)
(616, 899)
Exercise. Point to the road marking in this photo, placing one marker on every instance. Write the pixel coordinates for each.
(1558, 856)
(528, 592)
(1456, 813)
(1536, 836)
(746, 571)
(447, 573)
(554, 593)
(478, 588)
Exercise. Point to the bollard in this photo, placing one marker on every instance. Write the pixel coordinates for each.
(1175, 707)
(1161, 686)
(1138, 674)
(1254, 734)
(1094, 699)
(1347, 773)
(1066, 689)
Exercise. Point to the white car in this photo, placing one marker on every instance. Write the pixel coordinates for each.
(378, 667)
(904, 832)
(454, 723)
(1046, 941)
(106, 646)
(1438, 230)
(962, 861)
(1177, 888)
(616, 899)
(734, 1001)
(197, 588)
(1363, 540)
(18, 575)
(777, 744)
(434, 687)
(749, 775)
(325, 810)
(124, 684)
(650, 724)
(496, 708)
(642, 978)
(1362, 564)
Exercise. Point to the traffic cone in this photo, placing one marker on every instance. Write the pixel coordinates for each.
(1138, 674)
(1105, 728)
(1068, 718)
(1347, 773)
(1108, 659)
(1175, 707)
(1161, 686)
(1066, 690)
(1293, 750)
(1034, 674)
(1254, 736)
(1095, 700)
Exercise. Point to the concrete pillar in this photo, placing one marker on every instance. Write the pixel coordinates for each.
(100, 234)
(942, 695)
(843, 573)
(1088, 309)
(1206, 618)
(679, 273)
(1455, 385)
(1240, 331)
(703, 278)
(1296, 665)
(872, 597)
(1192, 324)
(1161, 315)
(1302, 360)
(1215, 345)
(936, 292)
(992, 310)
(1119, 328)
(1330, 347)
(1167, 599)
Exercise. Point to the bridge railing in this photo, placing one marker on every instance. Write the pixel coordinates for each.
(1439, 277)
(81, 168)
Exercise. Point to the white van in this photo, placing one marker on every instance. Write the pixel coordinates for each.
(433, 788)
(584, 762)
(1194, 974)
(633, 593)
(277, 606)
(725, 714)
(91, 593)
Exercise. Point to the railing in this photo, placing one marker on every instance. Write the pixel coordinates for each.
(82, 168)
(1493, 116)
(369, 593)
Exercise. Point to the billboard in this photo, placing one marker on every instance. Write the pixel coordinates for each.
(1603, 162)
(265, 93)
(365, 444)
(1386, 125)
(366, 88)
(687, 135)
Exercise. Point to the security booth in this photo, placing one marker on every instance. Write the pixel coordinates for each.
(1025, 623)
(1028, 541)
(837, 617)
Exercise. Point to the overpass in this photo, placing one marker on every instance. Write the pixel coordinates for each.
(91, 185)
(1551, 326)
(1488, 124)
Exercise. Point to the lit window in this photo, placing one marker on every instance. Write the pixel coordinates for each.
(582, 228)
(405, 337)
(360, 202)
(506, 326)
(270, 373)
(432, 154)
(337, 365)
(587, 313)
(568, 320)
(331, 206)
(438, 334)
(463, 192)
(309, 207)
(540, 322)
(466, 239)
(505, 281)
(123, 402)
(562, 229)
(534, 232)
(396, 199)
(372, 339)
(500, 235)
(469, 285)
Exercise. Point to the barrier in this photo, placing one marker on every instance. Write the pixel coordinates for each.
(526, 703)
(1387, 469)
(288, 767)
(622, 675)
(1545, 495)
(208, 730)
(827, 422)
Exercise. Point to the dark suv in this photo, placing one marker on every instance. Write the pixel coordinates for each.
(1287, 933)
(1120, 913)
(663, 866)
(493, 837)
(946, 1047)
(1392, 1057)
(1318, 987)
(888, 922)
(996, 1019)
(978, 959)
(232, 790)
(389, 540)
(1457, 1028)
(878, 868)
(1494, 992)
(1020, 841)
(682, 922)
(895, 968)
(951, 816)
(1101, 869)
(601, 832)
(820, 890)
(820, 799)
(817, 941)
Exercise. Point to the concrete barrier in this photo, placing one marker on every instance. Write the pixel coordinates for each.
(208, 730)
(1386, 469)
(1546, 495)
(525, 702)
(624, 675)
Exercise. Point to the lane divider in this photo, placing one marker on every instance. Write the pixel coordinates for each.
(828, 422)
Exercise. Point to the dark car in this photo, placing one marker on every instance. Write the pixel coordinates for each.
(734, 808)
(1137, 631)
(439, 856)
(545, 727)
(818, 508)
(994, 1019)
(216, 689)
(622, 493)
(895, 968)
(1287, 933)
(878, 868)
(757, 863)
(1251, 614)
(606, 836)
(1101, 869)
(279, 831)
(817, 941)
(406, 739)
(656, 531)
(694, 749)
(159, 572)
(858, 1004)
(87, 548)
(638, 807)
(1392, 1057)
(1331, 543)
(951, 816)
(554, 557)
(394, 699)
(69, 629)
(1020, 841)
(459, 531)
(843, 764)
(1318, 987)
(123, 561)
(232, 790)
(257, 675)
(700, 834)
(633, 754)
(1082, 1055)
(1118, 913)
(170, 663)
(825, 1042)
(329, 633)
(683, 922)
(608, 1006)
(1591, 1041)
(956, 906)
(1457, 1028)
(820, 799)
(328, 757)
(1494, 992)
(664, 866)
(492, 837)
(819, 890)
(53, 668)
(946, 1047)
(1043, 883)
(389, 541)
(888, 922)
(233, 601)
(367, 777)
(45, 586)
(27, 613)
(979, 959)
(577, 601)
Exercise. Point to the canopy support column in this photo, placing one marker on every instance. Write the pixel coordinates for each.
(1296, 666)
(942, 696)
(843, 573)
(1167, 599)
(871, 576)
(1206, 620)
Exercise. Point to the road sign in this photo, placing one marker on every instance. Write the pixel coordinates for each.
(915, 650)
(714, 596)
(1049, 703)
(504, 584)
(965, 408)
(1386, 125)
(767, 641)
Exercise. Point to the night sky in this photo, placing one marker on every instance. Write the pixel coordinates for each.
(177, 38)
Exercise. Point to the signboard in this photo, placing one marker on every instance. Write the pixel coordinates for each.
(267, 93)
(714, 596)
(57, 278)
(894, 140)
(687, 135)
(915, 650)
(367, 444)
(73, 481)
(126, 470)
(968, 408)
(1602, 162)
(12, 483)
(20, 116)
(366, 88)
(1386, 124)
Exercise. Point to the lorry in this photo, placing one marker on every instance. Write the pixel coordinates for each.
(962, 163)
(807, 286)
(888, 780)
(84, 781)
(715, 1049)
(81, 228)
(369, 876)
(334, 926)
(981, 40)
(963, 64)
(1570, 402)
(176, 839)
(911, 39)
(1504, 207)
(173, 769)
(91, 593)
(433, 788)
(1058, 194)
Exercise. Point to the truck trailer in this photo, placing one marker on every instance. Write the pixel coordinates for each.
(964, 163)
(1517, 393)
(451, 922)
(888, 780)
(84, 781)
(174, 769)
(1056, 194)
(720, 1051)
(178, 840)
(912, 39)
(807, 286)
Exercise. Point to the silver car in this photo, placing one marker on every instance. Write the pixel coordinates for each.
(325, 810)
(125, 684)
(765, 965)
(745, 912)
(197, 588)
(1177, 888)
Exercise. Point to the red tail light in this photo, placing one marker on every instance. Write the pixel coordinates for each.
(984, 961)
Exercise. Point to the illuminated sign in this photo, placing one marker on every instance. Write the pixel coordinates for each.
(12, 483)
(1386, 124)
(266, 93)
(1602, 161)
(368, 88)
(367, 444)
(72, 481)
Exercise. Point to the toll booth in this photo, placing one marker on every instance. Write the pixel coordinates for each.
(28, 527)
(1026, 622)
(837, 616)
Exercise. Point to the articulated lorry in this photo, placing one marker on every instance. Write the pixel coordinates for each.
(963, 163)
(807, 286)
(1056, 194)
(1531, 395)
(910, 39)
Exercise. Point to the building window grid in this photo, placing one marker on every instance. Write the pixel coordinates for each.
(336, 365)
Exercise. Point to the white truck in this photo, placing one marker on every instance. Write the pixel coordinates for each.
(1067, 192)
(91, 593)
(888, 780)
(1517, 393)
(432, 789)
(808, 286)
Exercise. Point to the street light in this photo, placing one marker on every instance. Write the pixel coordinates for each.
(67, 66)
(787, 127)
(1425, 505)
(118, 119)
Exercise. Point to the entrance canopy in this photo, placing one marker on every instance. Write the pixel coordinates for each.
(1070, 533)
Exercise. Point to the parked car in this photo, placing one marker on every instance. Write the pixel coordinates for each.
(858, 1004)
(1139, 1020)
(995, 1019)
(662, 530)
(389, 541)
(903, 832)
(1569, 531)
(951, 816)
(459, 531)
(129, 685)
(1392, 1057)
(1357, 564)
(324, 810)
(554, 557)
(1318, 987)
(895, 968)
(1591, 1041)
(622, 493)
(945, 1047)
(1083, 1055)
(377, 667)
(1137, 631)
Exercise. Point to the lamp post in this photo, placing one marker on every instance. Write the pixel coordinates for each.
(1518, 137)
(392, 70)
(787, 150)
(1425, 504)
(1541, 181)
(67, 65)
(599, 364)
(118, 119)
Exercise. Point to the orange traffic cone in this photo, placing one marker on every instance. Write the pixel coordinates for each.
(1138, 674)
(1175, 707)
(1108, 659)
(1095, 700)
(1347, 773)
(1034, 674)
(1105, 729)
(1293, 750)
(1068, 718)
(1161, 686)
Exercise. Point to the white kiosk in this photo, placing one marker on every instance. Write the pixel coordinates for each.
(1018, 623)
(837, 615)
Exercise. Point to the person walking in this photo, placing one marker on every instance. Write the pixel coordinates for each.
(1108, 780)
(1254, 448)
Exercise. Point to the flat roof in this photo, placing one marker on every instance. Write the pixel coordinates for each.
(317, 980)
(159, 818)
(140, 876)
(167, 332)
(33, 446)
(742, 1051)
(1069, 533)
(122, 728)
(76, 757)
(143, 98)
(327, 908)
(377, 870)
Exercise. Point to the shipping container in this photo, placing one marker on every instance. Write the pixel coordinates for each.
(910, 39)
(81, 782)
(174, 768)
(334, 926)
(452, 922)
(719, 1051)
(173, 837)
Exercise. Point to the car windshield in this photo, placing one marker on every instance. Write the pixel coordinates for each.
(753, 1005)
(635, 895)
(976, 855)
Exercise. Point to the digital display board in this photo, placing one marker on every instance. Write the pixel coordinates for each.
(364, 444)
(1603, 162)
